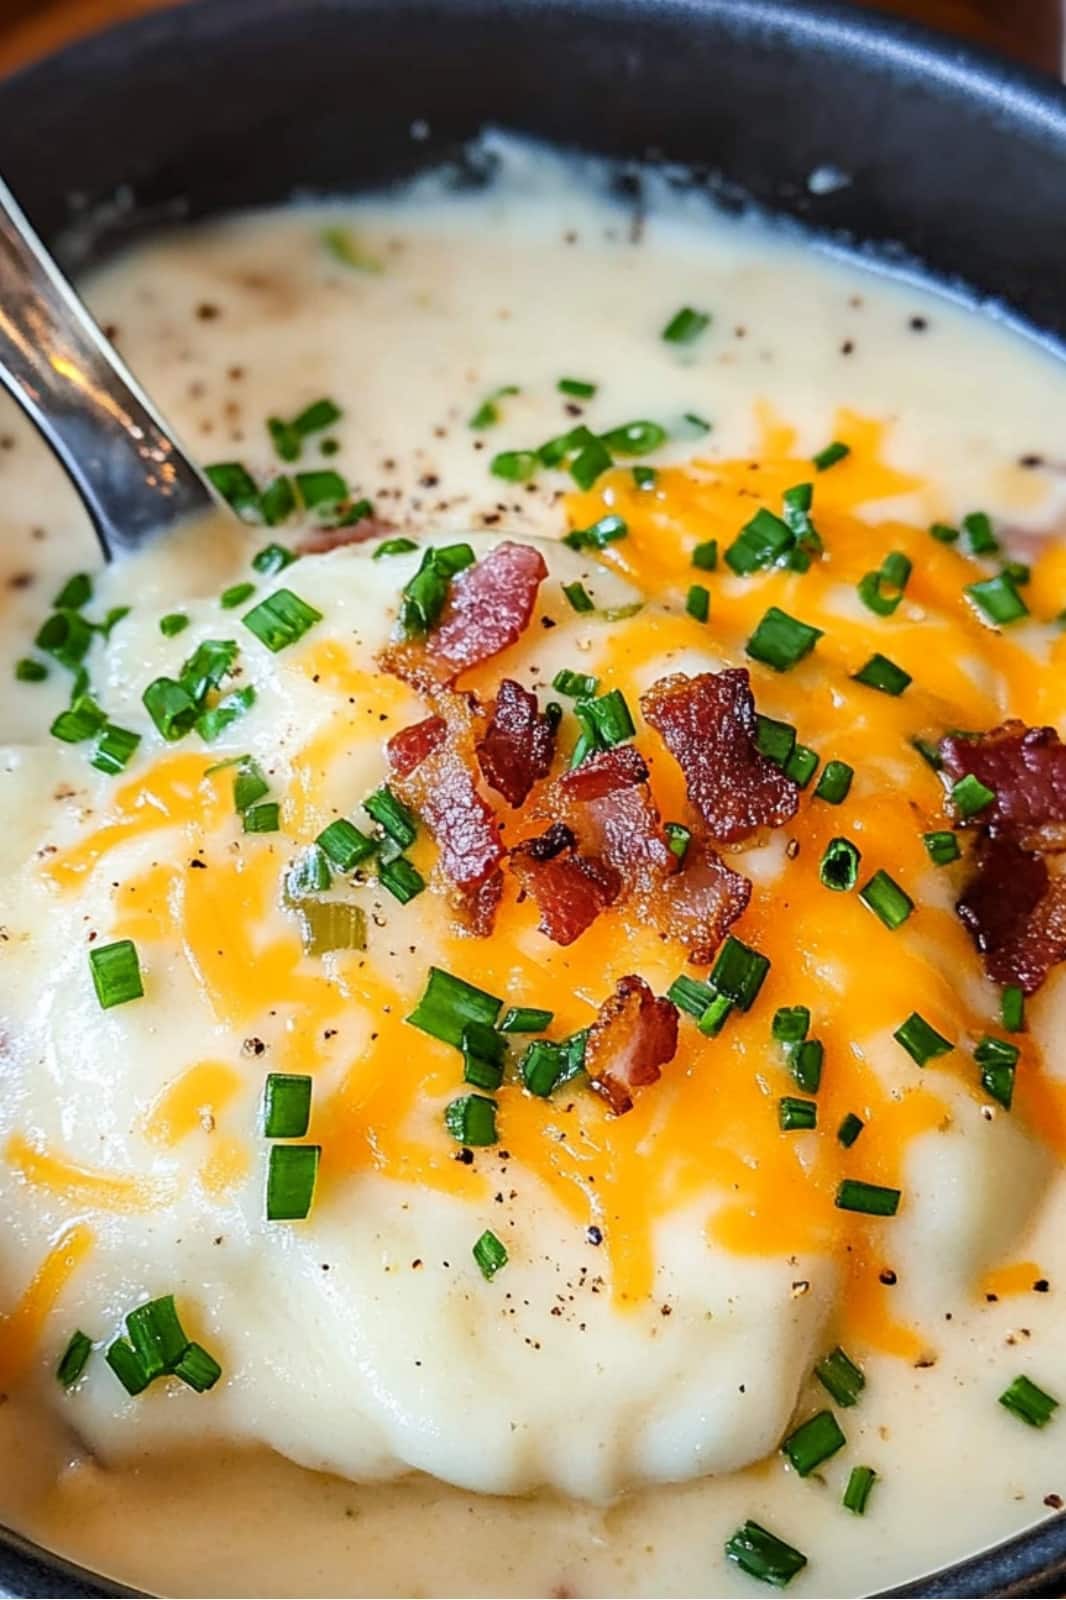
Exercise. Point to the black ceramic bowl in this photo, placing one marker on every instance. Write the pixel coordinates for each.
(957, 166)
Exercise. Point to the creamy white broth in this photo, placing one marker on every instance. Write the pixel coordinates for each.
(225, 326)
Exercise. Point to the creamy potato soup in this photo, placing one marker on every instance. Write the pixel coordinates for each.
(532, 950)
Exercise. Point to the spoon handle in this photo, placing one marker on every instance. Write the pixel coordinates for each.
(134, 480)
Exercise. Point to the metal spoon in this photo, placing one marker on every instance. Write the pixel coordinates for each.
(133, 478)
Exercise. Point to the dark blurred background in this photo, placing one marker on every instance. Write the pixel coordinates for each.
(1029, 30)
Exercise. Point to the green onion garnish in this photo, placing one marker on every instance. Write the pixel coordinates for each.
(328, 925)
(839, 1374)
(761, 1554)
(998, 1060)
(645, 477)
(607, 719)
(790, 1024)
(813, 1442)
(401, 878)
(773, 739)
(835, 783)
(285, 439)
(608, 530)
(308, 876)
(580, 685)
(685, 325)
(113, 749)
(345, 844)
(216, 719)
(526, 1019)
(488, 412)
(839, 867)
(870, 1199)
(207, 666)
(514, 466)
(394, 547)
(542, 1066)
(291, 1175)
(634, 438)
(157, 1336)
(696, 425)
(698, 602)
(116, 973)
(281, 619)
(705, 556)
(578, 597)
(321, 488)
(75, 593)
(79, 722)
(1025, 1400)
(173, 623)
(761, 543)
(277, 501)
(941, 846)
(796, 1115)
(884, 897)
(73, 1360)
(713, 1020)
(235, 484)
(1012, 1008)
(481, 1073)
(882, 674)
(29, 671)
(286, 1105)
(944, 532)
(449, 1004)
(860, 1481)
(236, 595)
(801, 765)
(66, 636)
(392, 815)
(921, 1041)
(125, 1363)
(739, 973)
(171, 708)
(471, 1120)
(690, 994)
(998, 599)
(781, 641)
(262, 818)
(197, 1368)
(830, 455)
(490, 1254)
(882, 591)
(423, 596)
(249, 785)
(850, 1128)
(805, 1061)
(929, 753)
(577, 387)
(678, 838)
(970, 796)
(979, 536)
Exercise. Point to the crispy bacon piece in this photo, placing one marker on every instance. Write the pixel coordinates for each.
(1026, 767)
(607, 804)
(488, 608)
(699, 904)
(708, 725)
(631, 1040)
(1016, 913)
(518, 745)
(433, 773)
(321, 540)
(570, 891)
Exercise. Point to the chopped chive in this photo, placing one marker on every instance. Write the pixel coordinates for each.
(713, 1019)
(309, 875)
(29, 671)
(281, 619)
(471, 1120)
(291, 1175)
(882, 591)
(801, 765)
(870, 1199)
(328, 925)
(113, 749)
(345, 845)
(66, 636)
(776, 740)
(796, 1115)
(171, 708)
(813, 1442)
(608, 530)
(690, 994)
(762, 1555)
(790, 1024)
(401, 878)
(941, 846)
(353, 513)
(316, 417)
(1012, 1008)
(577, 387)
(488, 412)
(839, 867)
(882, 674)
(739, 973)
(173, 623)
(685, 325)
(998, 1061)
(998, 599)
(705, 555)
(542, 1066)
(591, 461)
(944, 532)
(554, 451)
(1019, 572)
(698, 602)
(607, 719)
(921, 1041)
(579, 685)
(216, 719)
(277, 501)
(634, 438)
(678, 839)
(805, 1064)
(970, 796)
(857, 1492)
(323, 487)
(645, 477)
(249, 784)
(514, 466)
(285, 439)
(929, 753)
(449, 1004)
(884, 897)
(235, 484)
(197, 1368)
(481, 1073)
(207, 666)
(286, 1105)
(481, 1039)
(157, 1336)
(830, 455)
(761, 543)
(394, 547)
(73, 1360)
(839, 1374)
(391, 814)
(1024, 1399)
(578, 597)
(262, 818)
(116, 973)
(834, 784)
(850, 1128)
(75, 593)
(236, 595)
(125, 1363)
(780, 641)
(526, 1019)
(490, 1254)
(695, 422)
(79, 722)
(977, 527)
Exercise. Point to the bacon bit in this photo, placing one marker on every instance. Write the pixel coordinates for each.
(488, 608)
(1026, 768)
(323, 540)
(631, 1040)
(569, 890)
(708, 725)
(518, 745)
(608, 805)
(699, 904)
(1015, 913)
(433, 773)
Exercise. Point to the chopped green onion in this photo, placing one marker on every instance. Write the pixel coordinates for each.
(215, 720)
(776, 740)
(526, 1019)
(157, 1336)
(1018, 572)
(690, 994)
(345, 844)
(316, 417)
(576, 387)
(698, 602)
(607, 719)
(79, 722)
(235, 484)
(805, 1061)
(490, 1254)
(860, 1481)
(739, 973)
(835, 783)
(488, 412)
(281, 619)
(608, 530)
(970, 796)
(236, 595)
(310, 875)
(249, 784)
(113, 749)
(998, 599)
(285, 439)
(1025, 1400)
(762, 1555)
(262, 818)
(75, 593)
(471, 1120)
(998, 1061)
(423, 597)
(328, 925)
(678, 839)
(73, 1360)
(291, 1175)
(929, 753)
(813, 1442)
(839, 1374)
(480, 1039)
(921, 1041)
(173, 623)
(286, 1105)
(116, 973)
(29, 671)
(542, 1066)
(391, 814)
(685, 325)
(125, 1363)
(839, 868)
(394, 547)
(850, 1128)
(696, 423)
(941, 846)
(761, 543)
(979, 536)
(790, 1024)
(705, 556)
(277, 501)
(884, 897)
(481, 1073)
(781, 641)
(830, 455)
(944, 532)
(882, 674)
(634, 438)
(66, 636)
(1012, 1008)
(197, 1368)
(882, 591)
(321, 488)
(207, 666)
(514, 466)
(870, 1199)
(579, 685)
(796, 1115)
(401, 878)
(449, 1004)
(713, 1020)
(171, 708)
(801, 765)
(578, 597)
(645, 477)
(591, 461)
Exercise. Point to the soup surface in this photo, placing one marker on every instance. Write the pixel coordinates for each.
(482, 933)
